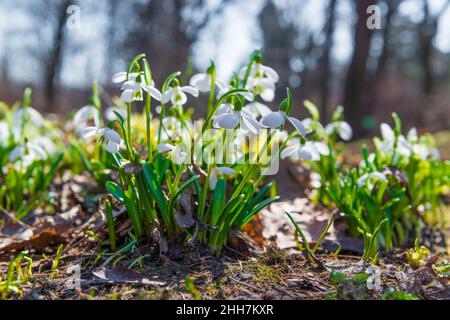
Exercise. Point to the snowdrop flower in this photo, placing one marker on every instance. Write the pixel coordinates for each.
(174, 129)
(86, 113)
(315, 180)
(261, 81)
(46, 144)
(110, 113)
(4, 133)
(258, 109)
(277, 119)
(202, 81)
(259, 70)
(342, 128)
(388, 142)
(370, 179)
(412, 136)
(27, 154)
(420, 148)
(133, 86)
(122, 77)
(312, 125)
(177, 95)
(307, 151)
(227, 118)
(112, 140)
(217, 172)
(264, 87)
(28, 112)
(176, 154)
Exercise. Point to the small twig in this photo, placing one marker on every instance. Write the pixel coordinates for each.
(248, 285)
(15, 220)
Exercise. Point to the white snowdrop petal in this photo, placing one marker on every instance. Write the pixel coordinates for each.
(119, 77)
(37, 151)
(111, 135)
(130, 85)
(386, 131)
(305, 153)
(298, 125)
(412, 135)
(250, 123)
(179, 156)
(196, 78)
(221, 85)
(226, 170)
(111, 115)
(271, 73)
(201, 81)
(191, 90)
(133, 76)
(345, 131)
(35, 117)
(322, 148)
(82, 115)
(362, 180)
(17, 152)
(267, 83)
(289, 151)
(263, 109)
(329, 128)
(46, 144)
(213, 180)
(127, 96)
(222, 92)
(247, 96)
(268, 95)
(372, 177)
(88, 132)
(4, 132)
(223, 108)
(155, 93)
(112, 147)
(167, 96)
(179, 98)
(273, 120)
(258, 109)
(165, 147)
(228, 121)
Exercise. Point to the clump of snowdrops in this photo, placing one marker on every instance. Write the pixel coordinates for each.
(322, 150)
(29, 157)
(395, 191)
(195, 181)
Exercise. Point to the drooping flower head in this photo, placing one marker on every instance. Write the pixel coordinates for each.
(133, 85)
(177, 94)
(110, 138)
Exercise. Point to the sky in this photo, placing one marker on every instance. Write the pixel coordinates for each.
(228, 40)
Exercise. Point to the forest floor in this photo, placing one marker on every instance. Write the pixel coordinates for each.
(261, 262)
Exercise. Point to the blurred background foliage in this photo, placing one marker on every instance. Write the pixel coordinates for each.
(321, 48)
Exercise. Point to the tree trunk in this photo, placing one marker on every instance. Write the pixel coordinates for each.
(356, 76)
(325, 74)
(53, 64)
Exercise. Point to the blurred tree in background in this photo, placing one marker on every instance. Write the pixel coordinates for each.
(321, 48)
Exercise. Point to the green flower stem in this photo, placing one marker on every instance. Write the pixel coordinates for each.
(129, 122)
(148, 121)
(202, 200)
(208, 122)
(212, 92)
(161, 117)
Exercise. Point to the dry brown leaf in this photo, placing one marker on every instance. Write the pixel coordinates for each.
(122, 275)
